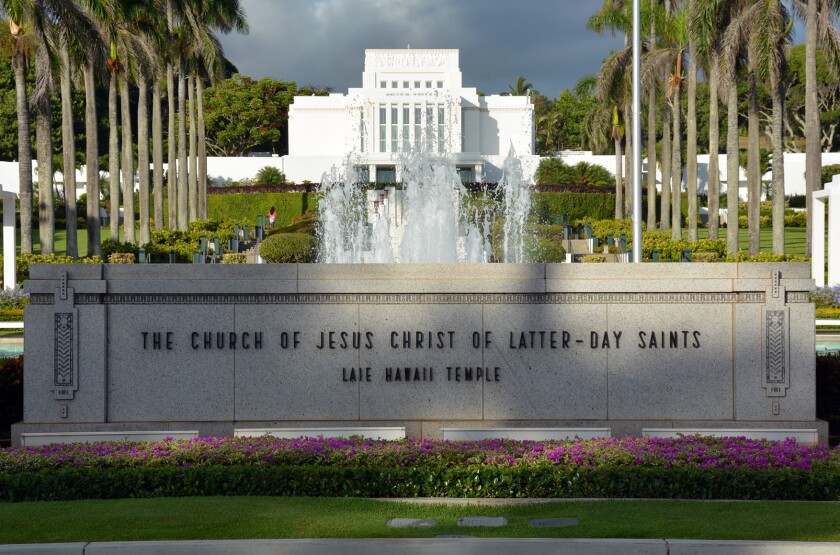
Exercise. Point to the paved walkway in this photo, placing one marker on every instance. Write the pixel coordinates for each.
(431, 546)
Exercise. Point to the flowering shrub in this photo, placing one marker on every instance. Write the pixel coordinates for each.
(13, 299)
(690, 467)
(827, 297)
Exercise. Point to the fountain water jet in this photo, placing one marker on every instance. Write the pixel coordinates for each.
(428, 220)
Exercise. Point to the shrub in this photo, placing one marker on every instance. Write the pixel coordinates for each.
(288, 248)
(270, 175)
(593, 206)
(829, 312)
(825, 297)
(25, 260)
(13, 299)
(233, 258)
(670, 250)
(540, 249)
(744, 256)
(109, 247)
(121, 258)
(828, 173)
(689, 467)
(555, 171)
(798, 219)
(705, 257)
(797, 201)
(594, 258)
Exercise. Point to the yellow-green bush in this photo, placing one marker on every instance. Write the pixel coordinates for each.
(594, 258)
(233, 258)
(288, 248)
(121, 258)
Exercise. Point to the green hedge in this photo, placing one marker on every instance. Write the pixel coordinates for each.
(243, 208)
(288, 248)
(593, 206)
(549, 481)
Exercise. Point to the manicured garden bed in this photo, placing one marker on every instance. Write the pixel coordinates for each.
(688, 468)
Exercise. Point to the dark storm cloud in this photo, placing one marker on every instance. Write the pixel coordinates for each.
(322, 42)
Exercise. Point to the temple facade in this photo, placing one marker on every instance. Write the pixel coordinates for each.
(409, 99)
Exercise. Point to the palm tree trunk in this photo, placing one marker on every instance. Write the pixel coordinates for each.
(753, 170)
(676, 169)
(94, 239)
(193, 184)
(714, 145)
(24, 153)
(651, 152)
(202, 151)
(127, 163)
(619, 189)
(69, 154)
(43, 140)
(114, 158)
(813, 154)
(183, 222)
(691, 142)
(172, 146)
(143, 156)
(651, 134)
(778, 170)
(46, 203)
(628, 159)
(733, 168)
(665, 200)
(157, 154)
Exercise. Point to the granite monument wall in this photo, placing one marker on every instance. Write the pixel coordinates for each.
(214, 347)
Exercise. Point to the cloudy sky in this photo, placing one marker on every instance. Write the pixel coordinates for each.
(322, 42)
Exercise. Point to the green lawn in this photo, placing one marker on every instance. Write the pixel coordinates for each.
(284, 517)
(795, 238)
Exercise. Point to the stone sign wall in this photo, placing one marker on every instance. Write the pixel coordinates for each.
(214, 347)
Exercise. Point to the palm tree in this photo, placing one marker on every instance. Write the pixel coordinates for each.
(44, 148)
(25, 41)
(68, 147)
(691, 128)
(206, 62)
(192, 182)
(651, 131)
(172, 138)
(707, 22)
(94, 239)
(113, 144)
(818, 30)
(770, 36)
(521, 88)
(157, 155)
(614, 83)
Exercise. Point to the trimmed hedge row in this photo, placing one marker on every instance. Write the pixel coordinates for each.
(245, 208)
(465, 481)
(593, 206)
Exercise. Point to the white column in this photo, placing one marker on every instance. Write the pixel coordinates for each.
(818, 239)
(834, 230)
(9, 249)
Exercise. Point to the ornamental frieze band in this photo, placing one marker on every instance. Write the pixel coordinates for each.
(412, 298)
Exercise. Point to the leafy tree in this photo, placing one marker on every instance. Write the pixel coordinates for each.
(242, 113)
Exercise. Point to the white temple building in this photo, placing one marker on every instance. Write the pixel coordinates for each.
(408, 98)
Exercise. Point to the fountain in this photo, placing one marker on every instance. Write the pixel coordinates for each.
(430, 218)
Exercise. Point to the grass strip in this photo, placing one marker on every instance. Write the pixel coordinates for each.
(305, 517)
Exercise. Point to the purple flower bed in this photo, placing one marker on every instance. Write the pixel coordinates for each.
(628, 452)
